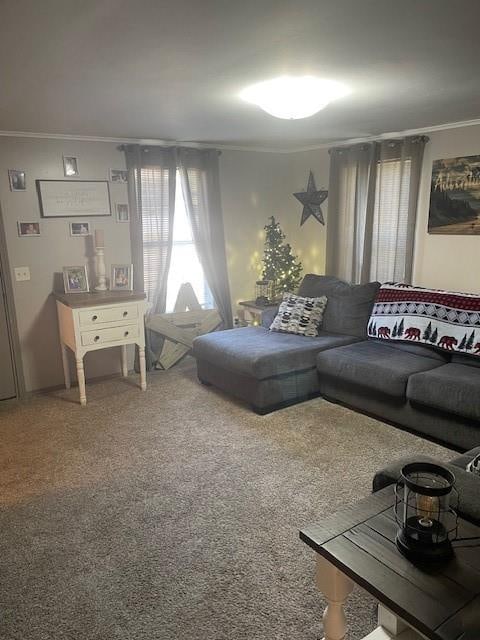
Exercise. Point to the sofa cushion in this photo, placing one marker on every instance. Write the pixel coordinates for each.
(257, 352)
(349, 306)
(348, 309)
(420, 350)
(454, 388)
(467, 484)
(469, 361)
(300, 315)
(374, 365)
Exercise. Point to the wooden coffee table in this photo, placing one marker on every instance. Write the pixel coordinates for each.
(357, 545)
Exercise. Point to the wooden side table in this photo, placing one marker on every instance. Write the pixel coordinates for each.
(357, 545)
(251, 312)
(92, 321)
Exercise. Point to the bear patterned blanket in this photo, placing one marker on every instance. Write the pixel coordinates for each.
(444, 319)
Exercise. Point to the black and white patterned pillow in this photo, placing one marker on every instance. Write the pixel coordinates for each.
(302, 316)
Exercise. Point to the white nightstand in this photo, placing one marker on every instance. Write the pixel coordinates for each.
(92, 321)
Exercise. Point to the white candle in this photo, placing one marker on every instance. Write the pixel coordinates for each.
(99, 238)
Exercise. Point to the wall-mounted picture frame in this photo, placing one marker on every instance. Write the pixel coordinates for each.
(120, 176)
(79, 228)
(121, 277)
(70, 166)
(75, 279)
(455, 196)
(122, 213)
(29, 229)
(73, 198)
(17, 180)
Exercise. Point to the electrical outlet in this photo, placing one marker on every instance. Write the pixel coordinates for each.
(22, 273)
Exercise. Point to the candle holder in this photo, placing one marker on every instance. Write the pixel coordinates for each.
(100, 268)
(425, 501)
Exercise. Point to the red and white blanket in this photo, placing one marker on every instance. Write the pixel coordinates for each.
(444, 319)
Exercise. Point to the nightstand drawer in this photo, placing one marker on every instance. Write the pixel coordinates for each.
(110, 314)
(102, 336)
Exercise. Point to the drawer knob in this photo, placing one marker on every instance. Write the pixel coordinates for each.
(125, 314)
(125, 334)
(96, 339)
(94, 318)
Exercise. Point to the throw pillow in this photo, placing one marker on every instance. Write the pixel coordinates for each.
(474, 465)
(299, 315)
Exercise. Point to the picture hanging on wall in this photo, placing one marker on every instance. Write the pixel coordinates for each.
(122, 213)
(118, 175)
(17, 180)
(79, 228)
(28, 229)
(70, 166)
(455, 196)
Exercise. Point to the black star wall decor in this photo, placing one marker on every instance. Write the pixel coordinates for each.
(311, 200)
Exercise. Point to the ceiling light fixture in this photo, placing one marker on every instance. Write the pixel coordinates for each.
(294, 97)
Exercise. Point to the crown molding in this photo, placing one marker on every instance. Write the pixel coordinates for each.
(203, 145)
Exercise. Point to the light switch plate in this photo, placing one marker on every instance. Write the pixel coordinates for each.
(22, 273)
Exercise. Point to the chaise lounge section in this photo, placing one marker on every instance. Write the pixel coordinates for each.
(270, 370)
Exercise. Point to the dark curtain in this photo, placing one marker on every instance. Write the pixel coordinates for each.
(200, 181)
(151, 194)
(372, 210)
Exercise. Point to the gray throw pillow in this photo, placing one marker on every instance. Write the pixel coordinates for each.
(299, 315)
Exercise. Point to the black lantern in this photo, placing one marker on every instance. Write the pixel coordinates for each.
(425, 502)
(263, 292)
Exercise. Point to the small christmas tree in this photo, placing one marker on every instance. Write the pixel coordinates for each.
(279, 264)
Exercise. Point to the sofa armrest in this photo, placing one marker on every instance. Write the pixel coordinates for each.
(467, 484)
(268, 316)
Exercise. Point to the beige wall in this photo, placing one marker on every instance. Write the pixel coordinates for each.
(446, 261)
(256, 185)
(47, 254)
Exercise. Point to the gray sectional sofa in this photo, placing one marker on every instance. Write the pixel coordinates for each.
(413, 386)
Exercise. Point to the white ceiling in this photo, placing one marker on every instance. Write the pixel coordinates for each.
(172, 69)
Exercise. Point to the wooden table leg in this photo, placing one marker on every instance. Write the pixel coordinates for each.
(336, 587)
(143, 368)
(66, 367)
(81, 379)
(124, 360)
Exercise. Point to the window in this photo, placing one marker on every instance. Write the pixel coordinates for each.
(184, 264)
(390, 220)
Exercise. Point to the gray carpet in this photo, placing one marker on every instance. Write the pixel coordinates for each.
(174, 514)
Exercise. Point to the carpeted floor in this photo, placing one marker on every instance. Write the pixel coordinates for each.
(174, 514)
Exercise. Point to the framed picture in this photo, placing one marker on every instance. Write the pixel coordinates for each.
(123, 214)
(122, 277)
(73, 198)
(75, 279)
(79, 228)
(70, 166)
(17, 179)
(118, 175)
(30, 229)
(455, 196)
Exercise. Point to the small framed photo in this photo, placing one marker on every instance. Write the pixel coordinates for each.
(122, 277)
(123, 214)
(119, 176)
(30, 229)
(79, 228)
(17, 179)
(70, 166)
(75, 279)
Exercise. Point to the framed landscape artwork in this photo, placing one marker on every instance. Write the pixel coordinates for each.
(455, 196)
